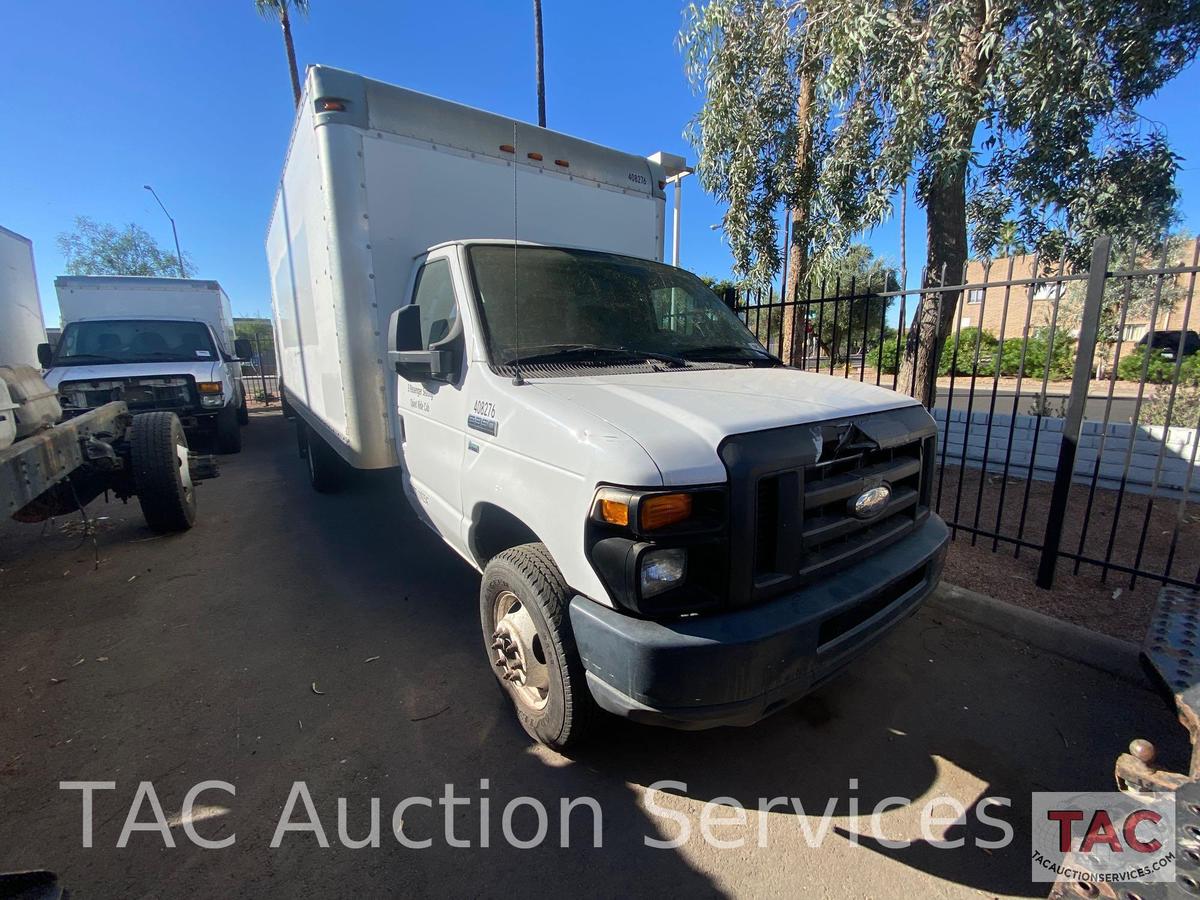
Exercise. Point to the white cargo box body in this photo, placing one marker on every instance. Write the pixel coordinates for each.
(137, 297)
(377, 174)
(21, 324)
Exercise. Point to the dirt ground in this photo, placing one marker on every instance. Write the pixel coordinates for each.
(1116, 603)
(332, 640)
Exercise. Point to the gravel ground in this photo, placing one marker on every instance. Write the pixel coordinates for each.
(1117, 604)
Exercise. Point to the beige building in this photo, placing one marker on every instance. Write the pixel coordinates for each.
(992, 306)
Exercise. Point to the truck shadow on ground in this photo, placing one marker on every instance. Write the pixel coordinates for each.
(937, 710)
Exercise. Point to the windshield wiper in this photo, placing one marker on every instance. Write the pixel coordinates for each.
(731, 352)
(553, 352)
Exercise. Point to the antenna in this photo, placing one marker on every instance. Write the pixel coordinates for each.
(517, 379)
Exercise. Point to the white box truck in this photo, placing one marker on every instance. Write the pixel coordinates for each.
(671, 525)
(154, 343)
(21, 325)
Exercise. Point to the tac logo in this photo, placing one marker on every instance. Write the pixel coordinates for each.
(1103, 837)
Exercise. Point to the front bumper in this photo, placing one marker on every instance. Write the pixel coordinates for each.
(734, 668)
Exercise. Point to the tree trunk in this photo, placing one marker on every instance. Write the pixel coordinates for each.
(286, 25)
(946, 257)
(540, 68)
(793, 327)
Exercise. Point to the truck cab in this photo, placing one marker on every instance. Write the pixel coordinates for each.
(727, 532)
(130, 339)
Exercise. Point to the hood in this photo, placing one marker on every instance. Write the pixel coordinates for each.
(681, 417)
(201, 370)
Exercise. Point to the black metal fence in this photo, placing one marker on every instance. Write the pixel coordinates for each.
(260, 376)
(1068, 400)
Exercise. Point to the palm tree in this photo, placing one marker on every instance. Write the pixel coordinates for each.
(541, 77)
(278, 9)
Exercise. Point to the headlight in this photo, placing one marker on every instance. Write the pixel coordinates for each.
(662, 570)
(212, 400)
(661, 552)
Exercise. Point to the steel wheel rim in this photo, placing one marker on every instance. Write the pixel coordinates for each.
(518, 653)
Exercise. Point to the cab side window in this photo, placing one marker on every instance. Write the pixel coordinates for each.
(434, 293)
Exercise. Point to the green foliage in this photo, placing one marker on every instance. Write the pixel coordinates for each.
(1160, 370)
(1048, 91)
(253, 328)
(271, 9)
(1036, 351)
(860, 276)
(884, 356)
(96, 249)
(719, 285)
(959, 353)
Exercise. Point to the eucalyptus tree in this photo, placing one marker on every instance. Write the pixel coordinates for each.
(1006, 110)
(278, 9)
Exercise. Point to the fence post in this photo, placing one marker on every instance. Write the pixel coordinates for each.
(1089, 329)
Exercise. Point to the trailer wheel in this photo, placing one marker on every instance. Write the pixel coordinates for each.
(527, 635)
(326, 471)
(229, 432)
(159, 454)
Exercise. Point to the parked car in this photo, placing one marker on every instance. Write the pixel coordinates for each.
(155, 344)
(670, 524)
(1168, 343)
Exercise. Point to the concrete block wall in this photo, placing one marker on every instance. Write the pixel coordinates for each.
(1025, 442)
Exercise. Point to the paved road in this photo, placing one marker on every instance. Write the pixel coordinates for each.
(199, 655)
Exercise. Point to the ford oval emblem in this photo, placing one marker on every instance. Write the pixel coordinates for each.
(871, 503)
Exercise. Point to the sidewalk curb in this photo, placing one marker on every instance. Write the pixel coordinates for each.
(1082, 645)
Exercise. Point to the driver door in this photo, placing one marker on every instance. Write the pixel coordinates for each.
(433, 413)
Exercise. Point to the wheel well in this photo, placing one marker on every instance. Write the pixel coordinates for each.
(494, 530)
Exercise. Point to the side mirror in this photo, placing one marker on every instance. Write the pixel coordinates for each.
(406, 349)
(243, 349)
(45, 355)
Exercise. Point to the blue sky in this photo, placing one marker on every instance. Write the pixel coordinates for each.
(194, 99)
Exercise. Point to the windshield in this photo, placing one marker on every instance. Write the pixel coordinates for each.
(134, 340)
(580, 303)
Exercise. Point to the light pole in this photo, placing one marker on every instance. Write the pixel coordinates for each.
(178, 252)
(675, 168)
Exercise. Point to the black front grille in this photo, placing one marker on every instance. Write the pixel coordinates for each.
(832, 536)
(792, 492)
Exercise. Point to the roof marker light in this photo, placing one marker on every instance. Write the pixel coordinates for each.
(507, 148)
(562, 162)
(331, 104)
(535, 156)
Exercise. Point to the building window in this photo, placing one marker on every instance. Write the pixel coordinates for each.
(975, 295)
(1047, 290)
(1133, 332)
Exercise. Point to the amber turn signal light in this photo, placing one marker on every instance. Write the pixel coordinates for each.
(614, 512)
(208, 387)
(662, 510)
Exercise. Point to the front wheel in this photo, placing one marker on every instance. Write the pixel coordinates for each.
(159, 454)
(523, 604)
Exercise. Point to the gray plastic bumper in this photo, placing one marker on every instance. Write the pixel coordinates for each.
(734, 668)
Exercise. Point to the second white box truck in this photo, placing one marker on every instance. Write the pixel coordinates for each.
(670, 525)
(155, 343)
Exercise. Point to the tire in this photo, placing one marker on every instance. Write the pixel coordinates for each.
(160, 476)
(301, 439)
(243, 413)
(561, 715)
(229, 432)
(326, 471)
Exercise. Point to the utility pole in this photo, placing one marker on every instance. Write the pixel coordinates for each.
(178, 252)
(540, 64)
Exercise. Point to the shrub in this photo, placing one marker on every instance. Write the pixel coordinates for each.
(966, 342)
(1160, 370)
(1036, 351)
(883, 357)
